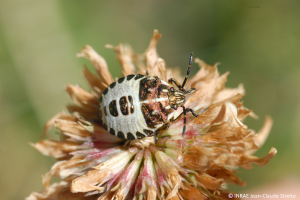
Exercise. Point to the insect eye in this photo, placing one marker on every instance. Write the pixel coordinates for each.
(175, 107)
(172, 89)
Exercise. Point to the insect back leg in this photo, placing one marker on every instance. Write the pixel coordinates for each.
(163, 127)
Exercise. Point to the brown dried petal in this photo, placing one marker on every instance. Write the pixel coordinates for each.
(246, 160)
(207, 116)
(176, 74)
(63, 169)
(88, 181)
(205, 83)
(206, 73)
(228, 93)
(243, 113)
(61, 115)
(242, 145)
(262, 135)
(139, 61)
(208, 181)
(82, 97)
(82, 112)
(106, 196)
(230, 115)
(99, 64)
(225, 133)
(197, 158)
(94, 81)
(162, 69)
(151, 193)
(72, 128)
(101, 135)
(220, 84)
(152, 56)
(220, 172)
(191, 193)
(216, 112)
(124, 55)
(58, 191)
(175, 198)
(54, 148)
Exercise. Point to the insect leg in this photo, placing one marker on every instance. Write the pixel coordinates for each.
(191, 110)
(185, 110)
(184, 125)
(172, 80)
(164, 127)
(190, 91)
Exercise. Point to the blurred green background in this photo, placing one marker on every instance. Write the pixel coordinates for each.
(257, 41)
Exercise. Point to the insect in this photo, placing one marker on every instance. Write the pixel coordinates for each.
(137, 106)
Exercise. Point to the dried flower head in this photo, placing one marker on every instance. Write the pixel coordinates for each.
(92, 164)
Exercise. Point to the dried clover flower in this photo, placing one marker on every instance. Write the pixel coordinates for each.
(92, 164)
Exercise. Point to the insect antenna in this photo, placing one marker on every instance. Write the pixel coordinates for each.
(188, 70)
(189, 91)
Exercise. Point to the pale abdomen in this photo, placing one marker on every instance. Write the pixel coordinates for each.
(120, 110)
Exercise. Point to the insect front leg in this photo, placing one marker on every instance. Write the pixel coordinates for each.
(190, 91)
(172, 80)
(185, 110)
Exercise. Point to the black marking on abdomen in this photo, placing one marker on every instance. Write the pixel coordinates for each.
(120, 80)
(148, 132)
(138, 76)
(100, 113)
(139, 135)
(105, 112)
(124, 105)
(131, 104)
(112, 131)
(129, 77)
(105, 91)
(121, 135)
(130, 136)
(112, 85)
(100, 100)
(104, 126)
(113, 108)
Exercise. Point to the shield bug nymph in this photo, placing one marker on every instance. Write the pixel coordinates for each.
(137, 106)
